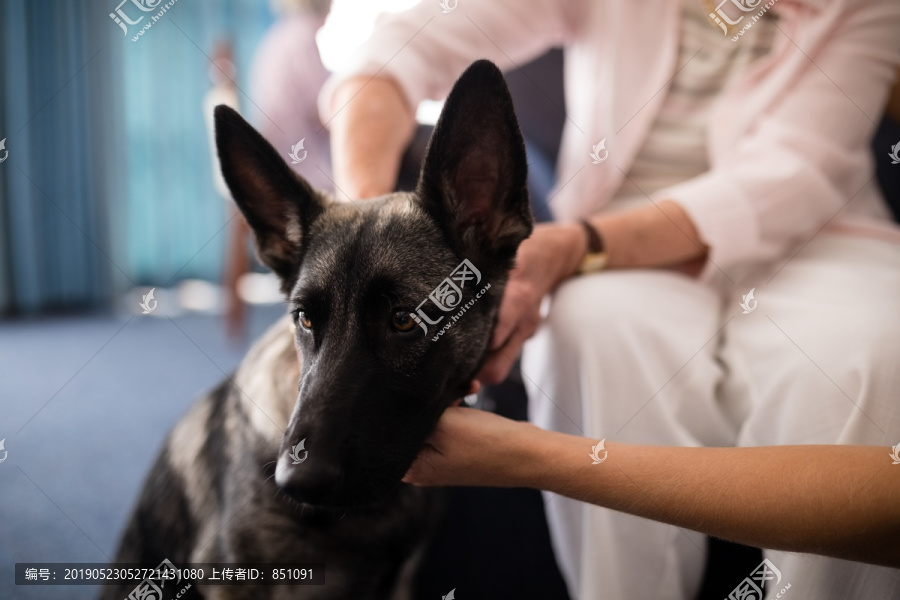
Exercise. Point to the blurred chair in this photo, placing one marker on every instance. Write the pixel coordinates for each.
(887, 137)
(537, 93)
(222, 74)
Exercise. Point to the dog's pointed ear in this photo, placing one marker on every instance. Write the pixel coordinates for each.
(278, 204)
(474, 177)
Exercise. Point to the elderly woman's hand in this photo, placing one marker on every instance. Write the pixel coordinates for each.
(549, 256)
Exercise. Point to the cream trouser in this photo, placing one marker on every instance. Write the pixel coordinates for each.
(653, 357)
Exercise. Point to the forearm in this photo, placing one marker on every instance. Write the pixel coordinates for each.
(839, 501)
(661, 235)
(369, 133)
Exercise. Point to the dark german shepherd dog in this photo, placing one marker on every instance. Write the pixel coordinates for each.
(259, 473)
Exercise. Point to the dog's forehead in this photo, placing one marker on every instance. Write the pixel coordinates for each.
(386, 238)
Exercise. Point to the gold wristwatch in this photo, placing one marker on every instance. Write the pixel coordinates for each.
(595, 259)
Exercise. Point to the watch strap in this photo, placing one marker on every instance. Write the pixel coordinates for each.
(595, 242)
(596, 258)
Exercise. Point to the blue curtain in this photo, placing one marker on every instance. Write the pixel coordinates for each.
(52, 187)
(107, 183)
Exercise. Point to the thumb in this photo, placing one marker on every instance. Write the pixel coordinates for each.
(421, 471)
(506, 323)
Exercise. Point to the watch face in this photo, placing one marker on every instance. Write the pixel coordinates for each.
(592, 262)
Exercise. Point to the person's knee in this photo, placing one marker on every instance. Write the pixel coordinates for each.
(609, 309)
(869, 356)
(593, 309)
(844, 364)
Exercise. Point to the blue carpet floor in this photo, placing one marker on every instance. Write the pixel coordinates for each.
(85, 403)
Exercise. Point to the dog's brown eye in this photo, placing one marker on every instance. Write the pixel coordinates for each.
(304, 320)
(402, 321)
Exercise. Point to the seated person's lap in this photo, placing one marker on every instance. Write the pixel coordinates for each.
(650, 356)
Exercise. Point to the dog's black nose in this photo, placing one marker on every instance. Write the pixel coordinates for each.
(313, 482)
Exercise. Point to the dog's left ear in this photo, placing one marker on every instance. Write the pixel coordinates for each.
(278, 204)
(474, 178)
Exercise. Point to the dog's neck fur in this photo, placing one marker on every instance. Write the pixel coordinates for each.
(269, 394)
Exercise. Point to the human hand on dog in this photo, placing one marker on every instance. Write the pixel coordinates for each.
(658, 236)
(549, 256)
(475, 447)
(710, 490)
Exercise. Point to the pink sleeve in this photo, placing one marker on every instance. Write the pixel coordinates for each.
(808, 154)
(425, 50)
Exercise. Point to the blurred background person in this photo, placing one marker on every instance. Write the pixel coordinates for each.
(285, 80)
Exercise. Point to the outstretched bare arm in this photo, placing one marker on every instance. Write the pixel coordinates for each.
(841, 501)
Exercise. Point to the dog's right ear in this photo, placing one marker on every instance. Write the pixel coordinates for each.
(278, 204)
(474, 178)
